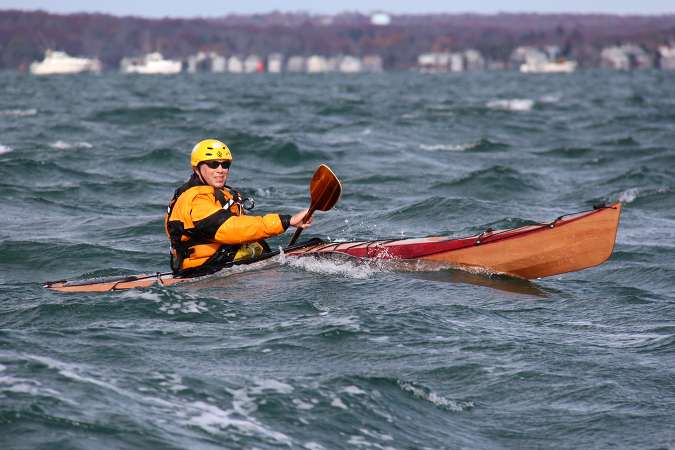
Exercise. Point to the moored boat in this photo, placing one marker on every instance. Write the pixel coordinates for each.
(56, 62)
(151, 64)
(569, 243)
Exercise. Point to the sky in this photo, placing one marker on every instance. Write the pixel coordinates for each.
(216, 8)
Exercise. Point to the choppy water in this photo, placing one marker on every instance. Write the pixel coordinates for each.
(321, 354)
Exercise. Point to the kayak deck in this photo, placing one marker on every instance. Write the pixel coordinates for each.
(119, 283)
(566, 244)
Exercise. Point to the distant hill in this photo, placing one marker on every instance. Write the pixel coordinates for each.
(24, 35)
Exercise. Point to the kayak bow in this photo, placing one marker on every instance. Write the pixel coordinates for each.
(566, 244)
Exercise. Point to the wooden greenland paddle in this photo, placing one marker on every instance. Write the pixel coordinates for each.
(324, 190)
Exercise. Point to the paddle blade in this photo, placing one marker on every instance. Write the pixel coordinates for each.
(325, 189)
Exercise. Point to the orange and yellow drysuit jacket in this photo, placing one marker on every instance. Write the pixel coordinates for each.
(206, 226)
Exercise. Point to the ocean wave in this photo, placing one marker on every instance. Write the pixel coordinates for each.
(481, 145)
(290, 154)
(492, 182)
(19, 385)
(627, 141)
(512, 104)
(32, 255)
(136, 115)
(5, 149)
(642, 175)
(568, 152)
(162, 398)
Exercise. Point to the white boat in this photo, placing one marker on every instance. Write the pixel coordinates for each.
(152, 63)
(56, 62)
(549, 67)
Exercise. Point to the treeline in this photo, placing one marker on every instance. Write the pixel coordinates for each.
(25, 35)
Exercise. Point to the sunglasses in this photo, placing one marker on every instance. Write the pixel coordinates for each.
(216, 164)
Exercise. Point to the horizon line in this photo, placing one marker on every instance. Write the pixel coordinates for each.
(345, 12)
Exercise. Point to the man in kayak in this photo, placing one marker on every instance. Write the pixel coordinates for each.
(206, 222)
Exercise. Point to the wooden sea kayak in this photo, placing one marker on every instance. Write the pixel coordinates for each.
(567, 244)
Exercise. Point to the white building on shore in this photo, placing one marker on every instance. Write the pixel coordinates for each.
(152, 63)
(56, 62)
(206, 62)
(450, 61)
(296, 64)
(235, 64)
(547, 60)
(253, 64)
(625, 57)
(275, 63)
(667, 55)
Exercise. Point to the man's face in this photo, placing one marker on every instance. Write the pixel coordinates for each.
(217, 176)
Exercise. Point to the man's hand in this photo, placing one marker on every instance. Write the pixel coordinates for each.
(296, 220)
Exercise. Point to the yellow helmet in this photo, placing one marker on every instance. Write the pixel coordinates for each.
(209, 149)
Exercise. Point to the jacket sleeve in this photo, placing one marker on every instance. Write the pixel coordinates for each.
(214, 222)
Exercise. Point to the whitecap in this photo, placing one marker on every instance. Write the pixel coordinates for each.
(512, 104)
(359, 441)
(267, 385)
(550, 98)
(338, 403)
(142, 295)
(347, 268)
(5, 149)
(29, 387)
(314, 446)
(173, 382)
(212, 419)
(189, 307)
(375, 434)
(435, 398)
(446, 147)
(19, 112)
(62, 145)
(302, 405)
(629, 195)
(353, 390)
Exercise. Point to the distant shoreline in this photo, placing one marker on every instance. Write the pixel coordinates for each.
(398, 40)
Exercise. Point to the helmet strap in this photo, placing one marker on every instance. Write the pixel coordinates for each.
(199, 173)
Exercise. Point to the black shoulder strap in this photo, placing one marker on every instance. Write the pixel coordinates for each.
(220, 197)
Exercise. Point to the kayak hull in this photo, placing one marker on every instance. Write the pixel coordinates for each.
(566, 244)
